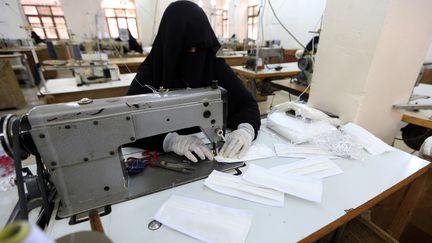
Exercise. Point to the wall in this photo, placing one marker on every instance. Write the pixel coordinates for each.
(146, 18)
(237, 18)
(429, 55)
(298, 16)
(81, 17)
(10, 20)
(364, 65)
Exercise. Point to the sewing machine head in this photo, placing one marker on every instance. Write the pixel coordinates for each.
(80, 142)
(96, 70)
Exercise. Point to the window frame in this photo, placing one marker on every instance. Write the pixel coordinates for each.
(115, 17)
(225, 23)
(52, 16)
(252, 21)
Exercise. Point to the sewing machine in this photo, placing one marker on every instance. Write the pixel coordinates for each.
(266, 54)
(78, 144)
(97, 73)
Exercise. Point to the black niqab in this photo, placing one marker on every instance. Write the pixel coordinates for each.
(133, 44)
(170, 64)
(36, 38)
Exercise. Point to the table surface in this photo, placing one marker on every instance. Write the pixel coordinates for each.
(288, 69)
(233, 54)
(126, 60)
(421, 117)
(68, 85)
(362, 181)
(287, 83)
(21, 49)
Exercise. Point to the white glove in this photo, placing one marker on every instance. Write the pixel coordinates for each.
(426, 148)
(185, 145)
(239, 141)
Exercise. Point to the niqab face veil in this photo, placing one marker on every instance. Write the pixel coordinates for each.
(170, 63)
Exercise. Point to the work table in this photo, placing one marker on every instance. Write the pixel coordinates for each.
(363, 184)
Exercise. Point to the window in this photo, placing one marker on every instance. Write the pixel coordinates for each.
(225, 23)
(46, 18)
(252, 30)
(120, 15)
(219, 22)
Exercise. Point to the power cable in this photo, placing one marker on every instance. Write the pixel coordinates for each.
(283, 26)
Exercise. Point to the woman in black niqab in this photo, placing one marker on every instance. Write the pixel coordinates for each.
(184, 55)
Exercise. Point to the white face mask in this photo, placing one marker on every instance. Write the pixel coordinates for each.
(205, 221)
(299, 186)
(319, 167)
(237, 187)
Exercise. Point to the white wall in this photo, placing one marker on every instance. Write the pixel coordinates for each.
(237, 18)
(429, 54)
(364, 66)
(298, 16)
(81, 17)
(11, 20)
(145, 10)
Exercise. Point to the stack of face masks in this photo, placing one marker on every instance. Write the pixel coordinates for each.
(237, 187)
(267, 186)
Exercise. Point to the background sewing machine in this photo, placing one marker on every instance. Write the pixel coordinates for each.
(266, 54)
(78, 146)
(87, 68)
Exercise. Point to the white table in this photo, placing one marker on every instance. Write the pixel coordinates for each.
(66, 90)
(289, 69)
(422, 117)
(345, 196)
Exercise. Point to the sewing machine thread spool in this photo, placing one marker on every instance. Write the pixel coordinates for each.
(22, 231)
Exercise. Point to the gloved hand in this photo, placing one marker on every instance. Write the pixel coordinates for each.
(185, 145)
(239, 141)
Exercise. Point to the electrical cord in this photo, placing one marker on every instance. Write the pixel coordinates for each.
(283, 26)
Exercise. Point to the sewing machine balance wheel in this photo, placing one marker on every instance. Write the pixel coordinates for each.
(24, 137)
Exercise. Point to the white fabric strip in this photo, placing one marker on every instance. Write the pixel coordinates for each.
(299, 186)
(301, 151)
(205, 221)
(256, 151)
(319, 167)
(237, 187)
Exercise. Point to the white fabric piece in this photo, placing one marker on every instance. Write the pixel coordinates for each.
(319, 167)
(370, 142)
(239, 141)
(256, 151)
(299, 186)
(295, 129)
(237, 187)
(426, 148)
(205, 221)
(305, 111)
(301, 151)
(36, 236)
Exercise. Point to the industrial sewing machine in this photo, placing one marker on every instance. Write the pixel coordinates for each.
(98, 72)
(78, 145)
(266, 54)
(89, 69)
